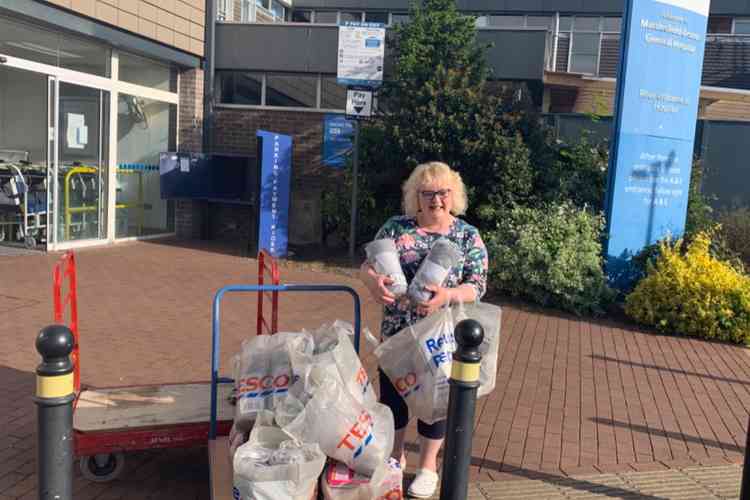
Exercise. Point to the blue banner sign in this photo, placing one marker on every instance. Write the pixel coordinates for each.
(275, 152)
(338, 133)
(656, 110)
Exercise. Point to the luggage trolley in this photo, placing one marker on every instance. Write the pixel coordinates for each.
(23, 202)
(218, 447)
(110, 421)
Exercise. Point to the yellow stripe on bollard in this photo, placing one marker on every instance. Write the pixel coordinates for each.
(54, 387)
(465, 372)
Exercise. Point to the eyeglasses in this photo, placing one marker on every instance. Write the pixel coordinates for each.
(429, 195)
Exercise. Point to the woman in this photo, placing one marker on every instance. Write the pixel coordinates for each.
(432, 198)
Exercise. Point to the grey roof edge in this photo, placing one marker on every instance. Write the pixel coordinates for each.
(57, 17)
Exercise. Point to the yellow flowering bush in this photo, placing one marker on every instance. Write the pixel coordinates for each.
(693, 293)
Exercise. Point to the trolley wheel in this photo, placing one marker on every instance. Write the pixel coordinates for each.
(102, 468)
(30, 242)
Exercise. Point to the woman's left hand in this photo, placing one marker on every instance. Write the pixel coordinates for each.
(441, 297)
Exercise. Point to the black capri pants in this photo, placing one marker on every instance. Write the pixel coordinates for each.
(390, 397)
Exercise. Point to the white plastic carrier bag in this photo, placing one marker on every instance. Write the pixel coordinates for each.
(270, 466)
(334, 347)
(417, 361)
(263, 373)
(346, 430)
(339, 482)
(490, 317)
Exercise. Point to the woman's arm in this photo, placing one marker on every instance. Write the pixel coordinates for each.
(376, 284)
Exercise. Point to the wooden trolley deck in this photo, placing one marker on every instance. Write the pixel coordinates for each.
(118, 408)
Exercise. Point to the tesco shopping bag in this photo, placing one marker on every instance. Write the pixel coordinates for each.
(417, 360)
(333, 347)
(339, 482)
(270, 466)
(490, 317)
(263, 373)
(346, 430)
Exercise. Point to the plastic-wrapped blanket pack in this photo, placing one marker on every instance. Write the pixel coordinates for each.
(383, 257)
(271, 466)
(434, 269)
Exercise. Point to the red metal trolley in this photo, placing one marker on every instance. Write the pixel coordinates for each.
(112, 420)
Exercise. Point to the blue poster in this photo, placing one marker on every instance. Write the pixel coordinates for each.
(656, 110)
(338, 134)
(275, 181)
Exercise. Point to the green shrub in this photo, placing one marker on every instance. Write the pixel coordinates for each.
(692, 293)
(577, 172)
(735, 232)
(699, 212)
(551, 255)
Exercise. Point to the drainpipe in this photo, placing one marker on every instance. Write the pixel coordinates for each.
(208, 76)
(208, 102)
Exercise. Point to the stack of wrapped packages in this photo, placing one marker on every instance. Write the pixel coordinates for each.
(303, 397)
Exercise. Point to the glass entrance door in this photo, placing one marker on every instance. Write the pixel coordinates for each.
(81, 173)
(23, 157)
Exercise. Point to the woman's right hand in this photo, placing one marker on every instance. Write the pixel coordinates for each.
(377, 284)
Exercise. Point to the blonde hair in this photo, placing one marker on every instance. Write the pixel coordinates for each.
(429, 172)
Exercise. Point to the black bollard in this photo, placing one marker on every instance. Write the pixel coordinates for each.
(745, 488)
(54, 400)
(464, 384)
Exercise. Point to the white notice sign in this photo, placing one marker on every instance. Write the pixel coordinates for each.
(358, 103)
(361, 53)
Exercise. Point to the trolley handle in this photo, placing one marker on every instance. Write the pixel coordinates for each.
(216, 327)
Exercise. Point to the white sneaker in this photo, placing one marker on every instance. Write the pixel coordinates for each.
(424, 484)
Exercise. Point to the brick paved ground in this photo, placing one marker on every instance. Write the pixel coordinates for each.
(574, 398)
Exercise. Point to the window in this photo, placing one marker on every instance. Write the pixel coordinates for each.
(581, 40)
(279, 11)
(585, 53)
(611, 24)
(586, 24)
(507, 21)
(225, 10)
(350, 16)
(298, 91)
(237, 87)
(325, 17)
(480, 21)
(287, 90)
(376, 17)
(720, 25)
(39, 45)
(302, 16)
(332, 95)
(399, 18)
(145, 129)
(142, 71)
(540, 22)
(742, 26)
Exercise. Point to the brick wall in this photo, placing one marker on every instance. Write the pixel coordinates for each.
(188, 214)
(178, 23)
(234, 133)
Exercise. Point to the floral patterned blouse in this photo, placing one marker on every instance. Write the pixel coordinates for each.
(413, 245)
